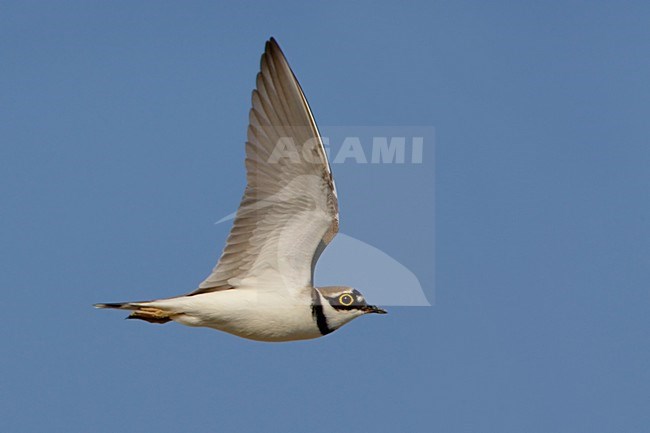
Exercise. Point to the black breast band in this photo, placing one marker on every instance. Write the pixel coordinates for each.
(318, 314)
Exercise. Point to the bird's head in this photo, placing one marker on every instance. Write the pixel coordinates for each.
(342, 304)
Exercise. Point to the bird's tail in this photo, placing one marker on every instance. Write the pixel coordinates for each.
(141, 311)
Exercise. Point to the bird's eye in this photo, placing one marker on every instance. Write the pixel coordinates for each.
(346, 299)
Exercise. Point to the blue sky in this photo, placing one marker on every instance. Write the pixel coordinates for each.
(122, 127)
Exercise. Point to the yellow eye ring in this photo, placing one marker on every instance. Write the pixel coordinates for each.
(346, 299)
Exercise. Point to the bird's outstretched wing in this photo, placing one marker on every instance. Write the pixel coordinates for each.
(289, 211)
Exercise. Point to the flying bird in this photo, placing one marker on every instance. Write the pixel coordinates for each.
(262, 287)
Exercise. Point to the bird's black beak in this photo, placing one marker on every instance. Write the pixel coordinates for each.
(374, 309)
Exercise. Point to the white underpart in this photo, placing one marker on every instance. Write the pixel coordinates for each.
(265, 315)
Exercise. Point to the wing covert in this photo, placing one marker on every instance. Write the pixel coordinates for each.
(289, 211)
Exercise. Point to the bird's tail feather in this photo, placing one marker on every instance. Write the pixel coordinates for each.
(140, 311)
(117, 305)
